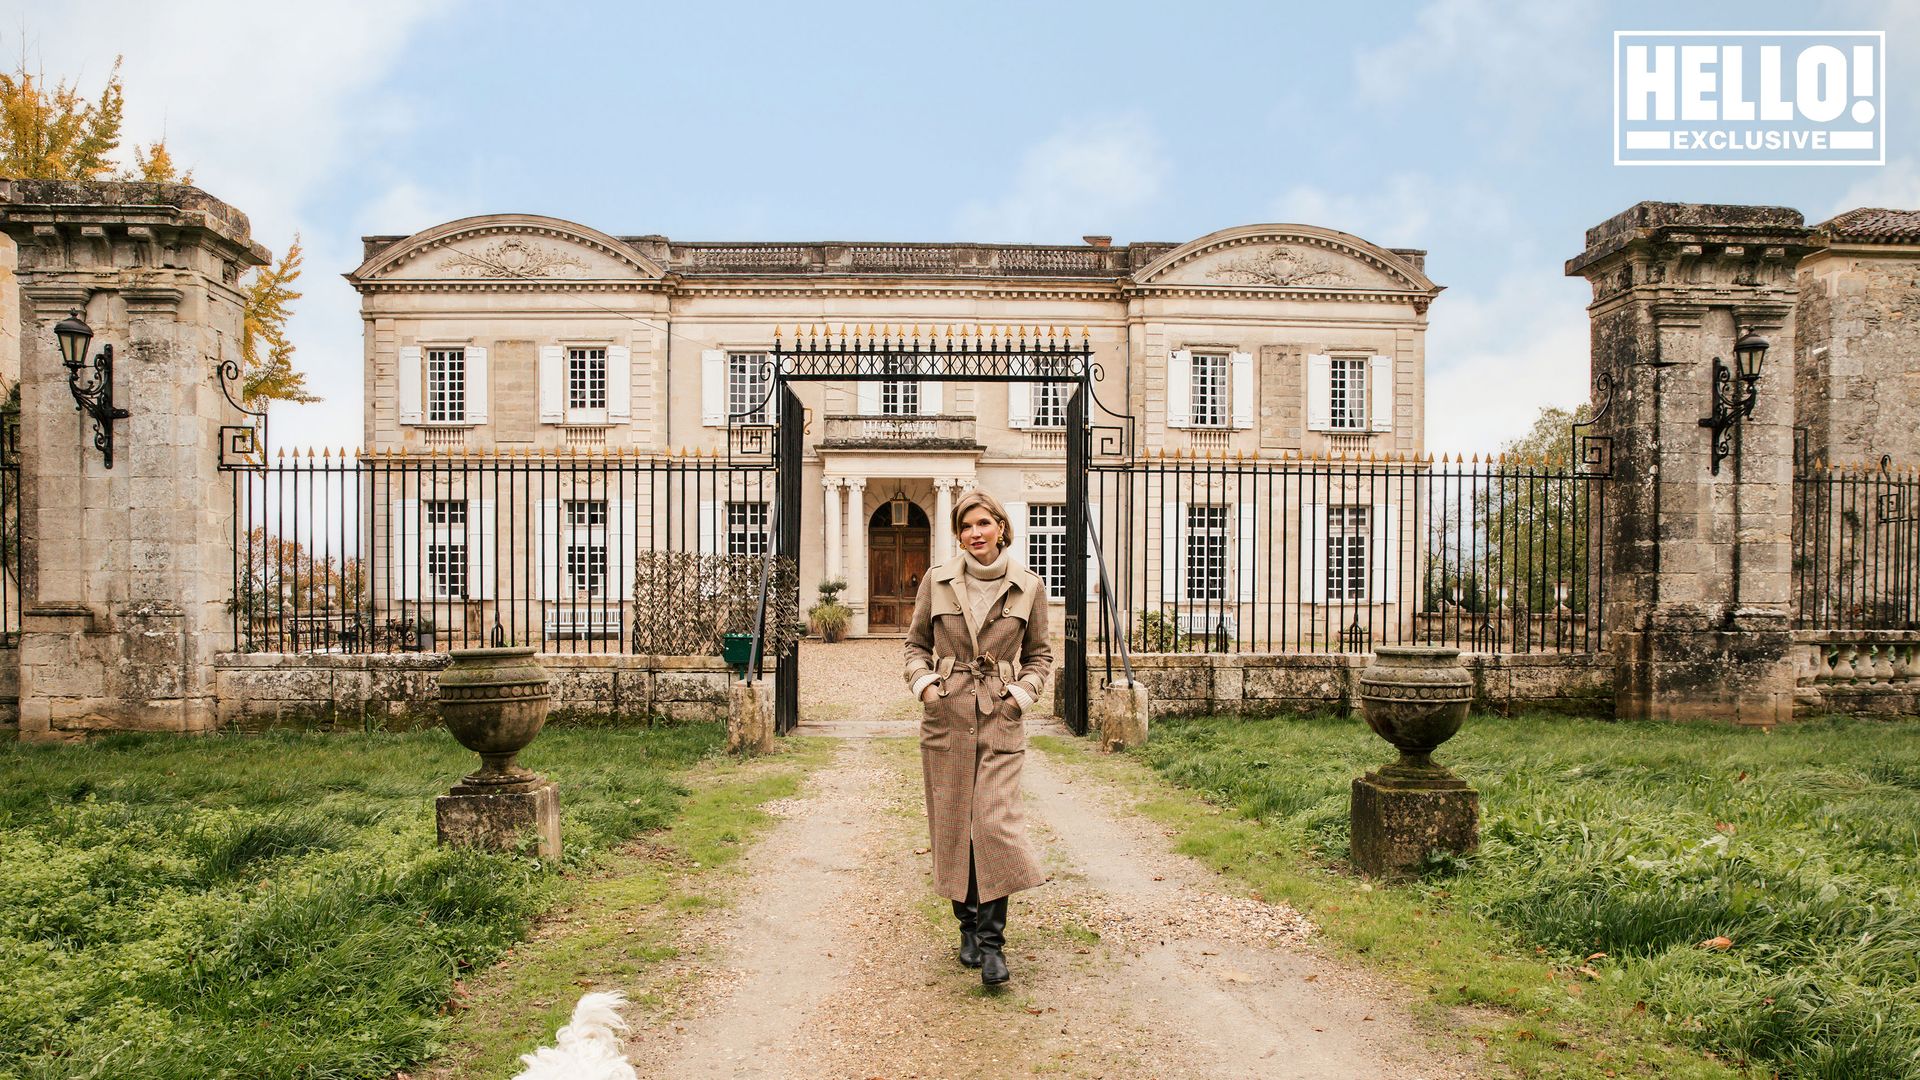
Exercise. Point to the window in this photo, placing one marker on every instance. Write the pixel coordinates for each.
(1206, 552)
(1209, 398)
(746, 528)
(446, 386)
(1347, 543)
(899, 397)
(1049, 405)
(445, 522)
(587, 546)
(748, 379)
(1047, 546)
(586, 378)
(1347, 393)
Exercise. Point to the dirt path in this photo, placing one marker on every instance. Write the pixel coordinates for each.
(837, 961)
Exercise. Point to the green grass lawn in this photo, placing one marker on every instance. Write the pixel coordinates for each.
(274, 906)
(1610, 853)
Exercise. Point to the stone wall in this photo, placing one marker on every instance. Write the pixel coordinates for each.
(1259, 683)
(1857, 392)
(328, 691)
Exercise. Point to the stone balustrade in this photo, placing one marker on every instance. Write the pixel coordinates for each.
(1871, 671)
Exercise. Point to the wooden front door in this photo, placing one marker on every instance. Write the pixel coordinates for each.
(896, 561)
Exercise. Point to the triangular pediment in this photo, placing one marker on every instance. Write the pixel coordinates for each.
(1285, 257)
(508, 248)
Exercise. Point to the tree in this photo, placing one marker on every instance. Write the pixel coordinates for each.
(55, 134)
(266, 356)
(1538, 525)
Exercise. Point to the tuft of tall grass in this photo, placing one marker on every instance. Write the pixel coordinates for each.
(1642, 842)
(273, 906)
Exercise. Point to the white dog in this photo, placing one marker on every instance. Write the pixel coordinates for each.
(588, 1048)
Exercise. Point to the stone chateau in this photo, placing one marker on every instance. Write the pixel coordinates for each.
(507, 334)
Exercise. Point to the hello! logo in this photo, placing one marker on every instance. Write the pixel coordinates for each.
(1777, 97)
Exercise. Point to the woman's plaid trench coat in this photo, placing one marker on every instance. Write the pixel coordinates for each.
(973, 739)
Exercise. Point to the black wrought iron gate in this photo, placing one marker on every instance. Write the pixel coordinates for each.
(938, 354)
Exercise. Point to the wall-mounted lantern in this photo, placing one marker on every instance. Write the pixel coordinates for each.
(1731, 403)
(96, 399)
(897, 509)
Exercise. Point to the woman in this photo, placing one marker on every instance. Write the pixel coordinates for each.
(977, 657)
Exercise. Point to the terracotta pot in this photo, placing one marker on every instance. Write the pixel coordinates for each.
(1415, 698)
(494, 702)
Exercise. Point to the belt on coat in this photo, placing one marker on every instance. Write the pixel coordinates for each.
(990, 678)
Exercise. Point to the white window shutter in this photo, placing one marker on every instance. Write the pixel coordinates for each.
(477, 385)
(483, 559)
(1173, 515)
(406, 550)
(930, 397)
(1241, 365)
(1180, 389)
(619, 384)
(1319, 392)
(1019, 405)
(622, 549)
(710, 514)
(1094, 525)
(1244, 553)
(410, 375)
(1386, 537)
(1313, 554)
(867, 394)
(552, 533)
(553, 385)
(713, 388)
(1380, 389)
(1022, 529)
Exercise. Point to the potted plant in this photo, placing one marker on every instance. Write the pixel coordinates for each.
(423, 631)
(829, 618)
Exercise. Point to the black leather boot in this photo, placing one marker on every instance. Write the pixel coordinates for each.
(969, 916)
(990, 931)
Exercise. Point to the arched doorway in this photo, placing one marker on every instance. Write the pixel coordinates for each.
(897, 553)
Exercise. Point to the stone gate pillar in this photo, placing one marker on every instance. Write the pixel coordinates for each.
(127, 571)
(1698, 579)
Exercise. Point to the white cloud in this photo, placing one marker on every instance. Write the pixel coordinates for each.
(1403, 213)
(1080, 180)
(268, 105)
(1495, 358)
(1513, 53)
(1895, 184)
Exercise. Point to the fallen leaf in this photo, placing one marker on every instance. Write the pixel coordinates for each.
(921, 850)
(1589, 972)
(1723, 826)
(1720, 944)
(1591, 957)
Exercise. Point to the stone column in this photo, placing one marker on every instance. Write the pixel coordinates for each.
(943, 519)
(1698, 608)
(857, 554)
(127, 571)
(832, 484)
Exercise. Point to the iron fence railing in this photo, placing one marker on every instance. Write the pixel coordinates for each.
(1221, 554)
(1856, 547)
(394, 552)
(11, 558)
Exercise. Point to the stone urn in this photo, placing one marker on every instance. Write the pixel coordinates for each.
(494, 702)
(1415, 698)
(1405, 813)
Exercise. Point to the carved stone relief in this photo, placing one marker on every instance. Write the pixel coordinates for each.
(1281, 266)
(513, 257)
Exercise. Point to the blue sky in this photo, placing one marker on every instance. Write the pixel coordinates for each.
(1477, 130)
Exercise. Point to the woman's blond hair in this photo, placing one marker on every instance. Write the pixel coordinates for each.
(992, 506)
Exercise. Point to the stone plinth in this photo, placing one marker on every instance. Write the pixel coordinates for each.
(1120, 715)
(486, 817)
(750, 719)
(1400, 819)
